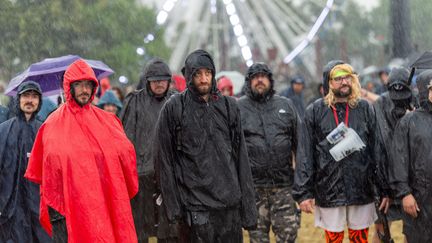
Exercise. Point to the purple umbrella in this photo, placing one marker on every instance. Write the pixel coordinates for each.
(49, 74)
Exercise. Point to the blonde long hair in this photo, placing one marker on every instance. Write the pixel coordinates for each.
(355, 95)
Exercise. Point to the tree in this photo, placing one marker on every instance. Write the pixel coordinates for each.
(108, 30)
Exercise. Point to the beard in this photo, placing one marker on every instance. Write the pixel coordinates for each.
(203, 89)
(342, 94)
(82, 99)
(260, 95)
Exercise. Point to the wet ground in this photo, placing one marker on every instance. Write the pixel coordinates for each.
(309, 234)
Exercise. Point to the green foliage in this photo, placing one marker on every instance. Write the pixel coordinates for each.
(360, 33)
(421, 19)
(369, 34)
(107, 30)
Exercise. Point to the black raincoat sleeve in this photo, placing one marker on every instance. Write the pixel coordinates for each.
(249, 213)
(380, 178)
(304, 175)
(165, 162)
(300, 137)
(399, 168)
(128, 117)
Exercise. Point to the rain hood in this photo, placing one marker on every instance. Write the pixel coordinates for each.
(81, 175)
(19, 198)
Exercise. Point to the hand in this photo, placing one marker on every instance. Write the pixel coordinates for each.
(410, 205)
(385, 203)
(307, 205)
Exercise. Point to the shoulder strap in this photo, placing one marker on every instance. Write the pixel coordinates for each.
(179, 125)
(231, 126)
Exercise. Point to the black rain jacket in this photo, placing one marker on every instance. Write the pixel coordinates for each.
(274, 133)
(390, 108)
(410, 168)
(4, 113)
(19, 198)
(297, 100)
(139, 116)
(351, 180)
(201, 156)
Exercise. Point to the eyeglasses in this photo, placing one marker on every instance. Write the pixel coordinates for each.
(339, 80)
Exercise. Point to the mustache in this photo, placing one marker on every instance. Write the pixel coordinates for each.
(29, 103)
(84, 94)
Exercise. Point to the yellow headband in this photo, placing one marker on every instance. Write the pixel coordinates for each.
(339, 73)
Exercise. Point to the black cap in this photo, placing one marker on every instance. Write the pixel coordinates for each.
(297, 80)
(29, 86)
(397, 85)
(157, 69)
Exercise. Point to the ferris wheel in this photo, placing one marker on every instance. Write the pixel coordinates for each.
(240, 32)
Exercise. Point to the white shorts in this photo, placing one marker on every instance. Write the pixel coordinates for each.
(356, 217)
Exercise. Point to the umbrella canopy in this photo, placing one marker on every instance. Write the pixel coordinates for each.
(421, 61)
(49, 74)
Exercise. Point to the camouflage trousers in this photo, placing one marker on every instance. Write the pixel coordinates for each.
(277, 209)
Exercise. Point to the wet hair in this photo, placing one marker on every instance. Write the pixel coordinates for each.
(354, 97)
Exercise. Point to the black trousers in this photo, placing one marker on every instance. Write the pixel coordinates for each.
(59, 229)
(219, 226)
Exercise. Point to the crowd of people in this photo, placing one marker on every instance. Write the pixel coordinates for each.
(201, 165)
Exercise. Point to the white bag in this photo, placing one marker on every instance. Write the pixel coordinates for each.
(348, 141)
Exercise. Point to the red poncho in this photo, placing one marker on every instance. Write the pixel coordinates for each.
(86, 168)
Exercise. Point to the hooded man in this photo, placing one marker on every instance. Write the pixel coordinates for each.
(19, 198)
(110, 103)
(410, 166)
(86, 167)
(139, 118)
(344, 159)
(273, 133)
(390, 107)
(295, 93)
(201, 158)
(225, 86)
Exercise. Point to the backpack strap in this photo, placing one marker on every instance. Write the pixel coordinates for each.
(179, 125)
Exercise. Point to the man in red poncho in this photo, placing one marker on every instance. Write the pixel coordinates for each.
(86, 167)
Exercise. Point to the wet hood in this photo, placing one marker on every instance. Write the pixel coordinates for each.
(326, 74)
(196, 60)
(398, 85)
(423, 80)
(79, 70)
(252, 71)
(23, 87)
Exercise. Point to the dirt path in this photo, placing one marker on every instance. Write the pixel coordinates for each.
(309, 234)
